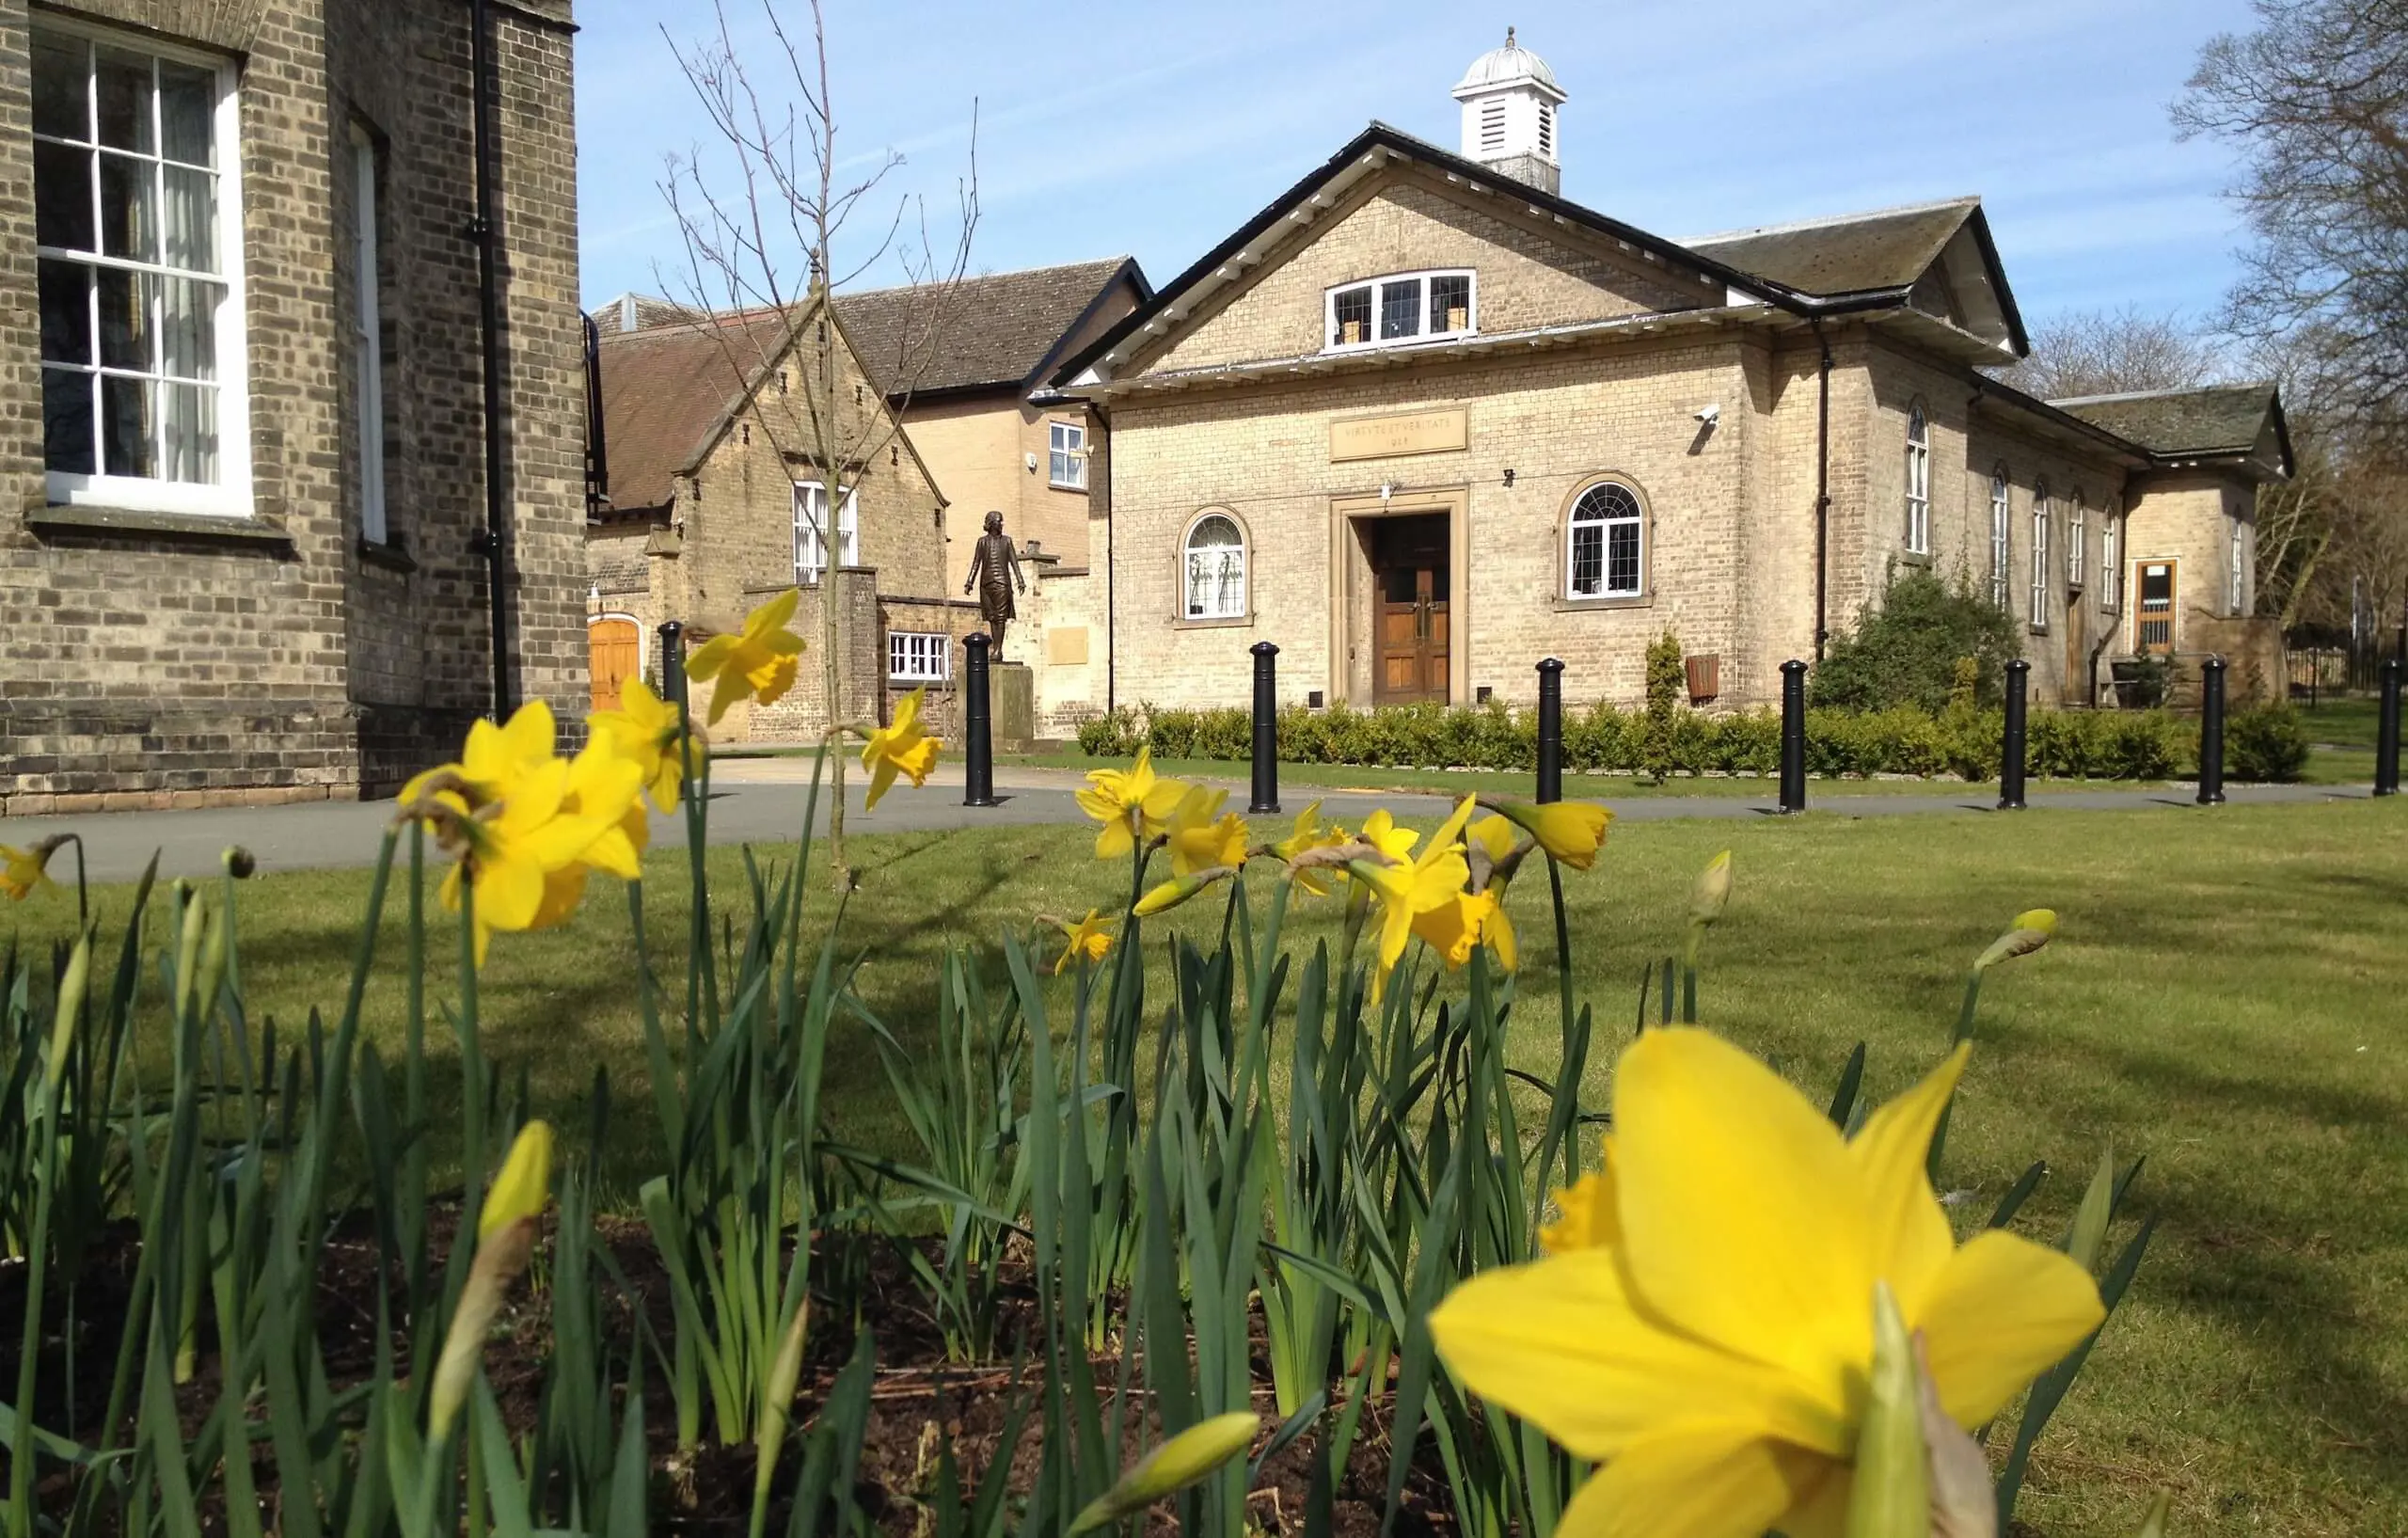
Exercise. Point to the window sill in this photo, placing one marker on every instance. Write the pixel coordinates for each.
(1915, 557)
(1236, 622)
(1063, 486)
(138, 523)
(1573, 606)
(390, 556)
(2038, 629)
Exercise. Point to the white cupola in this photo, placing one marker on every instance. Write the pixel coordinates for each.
(1510, 100)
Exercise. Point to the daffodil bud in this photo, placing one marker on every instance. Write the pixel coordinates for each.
(524, 1185)
(73, 985)
(1892, 1498)
(189, 951)
(240, 863)
(2028, 934)
(1712, 893)
(499, 1259)
(1171, 1467)
(1172, 893)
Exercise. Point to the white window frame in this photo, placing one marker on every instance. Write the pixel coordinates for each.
(1066, 453)
(2111, 561)
(1379, 287)
(809, 551)
(367, 344)
(1218, 608)
(2001, 537)
(230, 495)
(2041, 574)
(1918, 480)
(918, 657)
(2077, 542)
(1604, 523)
(2237, 577)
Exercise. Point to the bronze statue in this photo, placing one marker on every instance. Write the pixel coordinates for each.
(994, 572)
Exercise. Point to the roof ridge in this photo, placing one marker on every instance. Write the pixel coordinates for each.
(1112, 261)
(1825, 221)
(2252, 386)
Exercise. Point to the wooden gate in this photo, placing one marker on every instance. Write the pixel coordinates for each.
(614, 650)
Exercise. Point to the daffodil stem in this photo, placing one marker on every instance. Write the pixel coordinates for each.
(1965, 1015)
(83, 903)
(1562, 940)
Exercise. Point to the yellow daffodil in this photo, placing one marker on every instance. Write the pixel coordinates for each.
(1089, 938)
(901, 747)
(1202, 836)
(1408, 888)
(1585, 1216)
(1458, 926)
(494, 757)
(1170, 1468)
(606, 790)
(1570, 832)
(1495, 847)
(644, 730)
(1309, 834)
(511, 848)
(1131, 804)
(23, 872)
(760, 660)
(1711, 1343)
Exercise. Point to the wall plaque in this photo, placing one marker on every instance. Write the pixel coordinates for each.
(1066, 647)
(1446, 430)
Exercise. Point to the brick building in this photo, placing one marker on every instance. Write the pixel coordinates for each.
(1422, 422)
(244, 517)
(698, 473)
(717, 500)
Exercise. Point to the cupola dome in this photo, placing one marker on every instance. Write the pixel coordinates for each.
(1510, 100)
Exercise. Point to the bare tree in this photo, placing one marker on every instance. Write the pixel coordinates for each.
(780, 198)
(2112, 352)
(2317, 99)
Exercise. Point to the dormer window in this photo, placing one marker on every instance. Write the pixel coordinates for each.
(1406, 308)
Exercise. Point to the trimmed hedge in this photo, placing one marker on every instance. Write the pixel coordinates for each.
(1961, 740)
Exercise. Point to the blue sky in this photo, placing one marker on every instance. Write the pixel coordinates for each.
(1154, 130)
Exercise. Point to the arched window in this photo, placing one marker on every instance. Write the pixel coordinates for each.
(1604, 543)
(1918, 481)
(2000, 536)
(1215, 561)
(2039, 615)
(2077, 541)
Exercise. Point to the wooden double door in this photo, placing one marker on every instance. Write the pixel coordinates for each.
(1410, 581)
(614, 651)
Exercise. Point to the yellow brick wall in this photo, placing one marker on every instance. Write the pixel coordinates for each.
(2187, 517)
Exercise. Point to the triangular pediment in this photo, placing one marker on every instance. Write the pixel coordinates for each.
(1389, 206)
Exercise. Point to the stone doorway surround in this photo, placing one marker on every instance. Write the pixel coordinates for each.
(1351, 642)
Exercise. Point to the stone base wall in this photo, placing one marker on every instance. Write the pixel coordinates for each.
(72, 756)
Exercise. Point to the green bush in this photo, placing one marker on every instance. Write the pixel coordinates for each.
(1963, 740)
(1665, 678)
(1906, 651)
(2267, 744)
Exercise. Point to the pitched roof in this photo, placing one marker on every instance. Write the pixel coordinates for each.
(1848, 253)
(2216, 420)
(990, 332)
(666, 393)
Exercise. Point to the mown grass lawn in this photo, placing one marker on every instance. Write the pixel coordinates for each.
(2225, 996)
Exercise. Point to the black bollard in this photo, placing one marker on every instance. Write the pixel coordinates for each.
(673, 663)
(1266, 728)
(1551, 731)
(977, 728)
(2016, 744)
(2211, 730)
(2387, 733)
(1793, 735)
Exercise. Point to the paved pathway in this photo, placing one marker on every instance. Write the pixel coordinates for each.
(761, 801)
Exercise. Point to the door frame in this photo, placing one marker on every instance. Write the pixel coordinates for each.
(1344, 592)
(2173, 603)
(607, 618)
